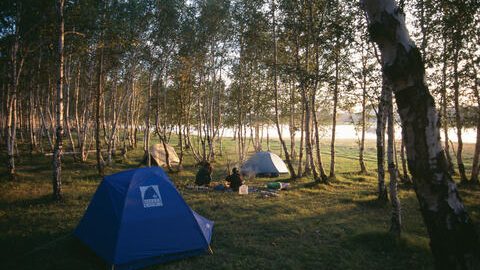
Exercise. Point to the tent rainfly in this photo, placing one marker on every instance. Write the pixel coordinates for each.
(264, 164)
(157, 151)
(137, 218)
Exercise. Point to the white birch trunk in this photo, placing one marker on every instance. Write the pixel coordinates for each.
(57, 152)
(453, 239)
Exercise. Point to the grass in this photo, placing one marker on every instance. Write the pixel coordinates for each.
(336, 226)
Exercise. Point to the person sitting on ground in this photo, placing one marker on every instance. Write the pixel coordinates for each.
(204, 174)
(235, 179)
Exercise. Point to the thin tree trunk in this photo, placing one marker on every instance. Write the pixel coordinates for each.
(57, 152)
(316, 177)
(12, 106)
(275, 86)
(220, 141)
(136, 119)
(268, 138)
(381, 118)
(256, 142)
(31, 121)
(131, 127)
(117, 112)
(11, 132)
(454, 241)
(20, 122)
(476, 155)
(98, 143)
(46, 129)
(396, 219)
(81, 127)
(309, 165)
(67, 114)
(444, 109)
(110, 139)
(3, 110)
(334, 120)
(458, 114)
(219, 114)
(146, 144)
(323, 175)
(406, 176)
(34, 103)
(51, 116)
(3, 116)
(180, 141)
(300, 152)
(293, 128)
(194, 152)
(307, 169)
(361, 161)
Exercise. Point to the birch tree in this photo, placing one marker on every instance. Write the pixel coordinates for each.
(453, 239)
(57, 153)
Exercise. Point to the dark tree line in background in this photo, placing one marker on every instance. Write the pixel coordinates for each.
(87, 77)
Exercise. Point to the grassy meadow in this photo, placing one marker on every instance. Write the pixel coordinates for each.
(336, 226)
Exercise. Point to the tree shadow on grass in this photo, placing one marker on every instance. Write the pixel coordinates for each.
(312, 185)
(339, 238)
(409, 250)
(42, 200)
(63, 252)
(358, 178)
(377, 241)
(369, 204)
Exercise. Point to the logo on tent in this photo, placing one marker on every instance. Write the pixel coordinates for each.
(151, 196)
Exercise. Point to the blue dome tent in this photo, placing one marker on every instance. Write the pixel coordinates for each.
(137, 218)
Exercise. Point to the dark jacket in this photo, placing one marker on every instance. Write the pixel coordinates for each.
(203, 177)
(235, 181)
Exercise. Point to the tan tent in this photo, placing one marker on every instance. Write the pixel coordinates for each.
(157, 151)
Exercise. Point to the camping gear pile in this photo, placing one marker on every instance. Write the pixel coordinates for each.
(273, 188)
(137, 218)
(268, 194)
(198, 188)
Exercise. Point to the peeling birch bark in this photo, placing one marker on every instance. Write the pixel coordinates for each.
(453, 240)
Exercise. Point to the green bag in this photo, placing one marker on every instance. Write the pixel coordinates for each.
(274, 185)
